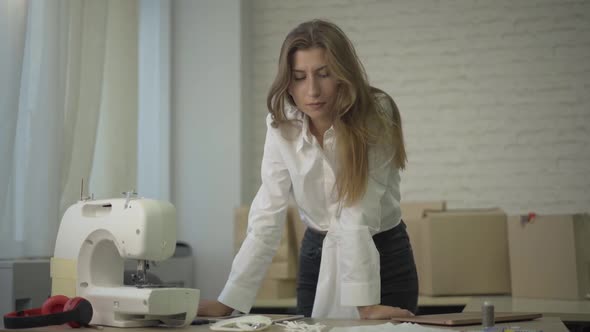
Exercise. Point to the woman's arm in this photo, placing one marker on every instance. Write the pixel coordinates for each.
(359, 263)
(360, 278)
(266, 222)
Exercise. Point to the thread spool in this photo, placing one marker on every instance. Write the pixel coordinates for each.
(487, 315)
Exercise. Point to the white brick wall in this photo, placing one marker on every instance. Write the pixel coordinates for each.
(494, 95)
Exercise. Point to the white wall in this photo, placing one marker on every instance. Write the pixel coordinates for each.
(495, 98)
(494, 95)
(154, 116)
(206, 112)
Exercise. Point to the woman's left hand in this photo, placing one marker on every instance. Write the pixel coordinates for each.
(213, 308)
(378, 311)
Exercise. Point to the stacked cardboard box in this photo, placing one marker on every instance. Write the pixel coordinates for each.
(478, 251)
(280, 280)
(417, 210)
(412, 215)
(458, 252)
(550, 256)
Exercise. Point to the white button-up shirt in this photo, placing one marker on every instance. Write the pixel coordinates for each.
(295, 163)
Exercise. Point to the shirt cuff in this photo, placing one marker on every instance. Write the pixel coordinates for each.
(361, 294)
(238, 298)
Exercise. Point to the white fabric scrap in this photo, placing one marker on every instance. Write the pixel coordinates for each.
(388, 327)
(294, 326)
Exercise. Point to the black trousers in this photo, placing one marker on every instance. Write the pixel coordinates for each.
(399, 280)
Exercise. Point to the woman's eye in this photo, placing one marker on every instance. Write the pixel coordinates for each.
(323, 75)
(299, 78)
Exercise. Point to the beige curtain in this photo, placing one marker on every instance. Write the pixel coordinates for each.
(68, 107)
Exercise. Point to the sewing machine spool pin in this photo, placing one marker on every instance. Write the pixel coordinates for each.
(82, 197)
(128, 196)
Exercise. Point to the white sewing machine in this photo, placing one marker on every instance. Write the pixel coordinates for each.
(94, 239)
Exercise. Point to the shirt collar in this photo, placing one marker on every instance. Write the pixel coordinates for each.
(305, 135)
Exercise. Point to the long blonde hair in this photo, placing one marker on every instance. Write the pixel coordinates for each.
(358, 118)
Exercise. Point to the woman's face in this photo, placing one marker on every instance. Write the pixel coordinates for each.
(313, 87)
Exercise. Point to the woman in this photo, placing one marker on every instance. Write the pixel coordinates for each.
(336, 144)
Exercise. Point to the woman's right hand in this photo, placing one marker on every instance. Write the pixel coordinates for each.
(378, 311)
(213, 308)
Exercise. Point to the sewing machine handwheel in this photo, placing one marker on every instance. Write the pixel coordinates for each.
(54, 304)
(84, 309)
(78, 306)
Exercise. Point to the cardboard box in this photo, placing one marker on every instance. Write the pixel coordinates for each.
(241, 228)
(277, 289)
(285, 261)
(550, 256)
(412, 214)
(462, 252)
(417, 210)
(281, 270)
(297, 225)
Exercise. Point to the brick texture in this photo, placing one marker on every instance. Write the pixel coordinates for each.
(494, 95)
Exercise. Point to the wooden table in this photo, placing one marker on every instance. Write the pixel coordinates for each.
(426, 304)
(546, 324)
(567, 311)
(574, 314)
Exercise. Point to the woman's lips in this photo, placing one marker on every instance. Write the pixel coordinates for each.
(316, 105)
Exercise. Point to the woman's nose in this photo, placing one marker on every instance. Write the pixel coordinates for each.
(313, 87)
